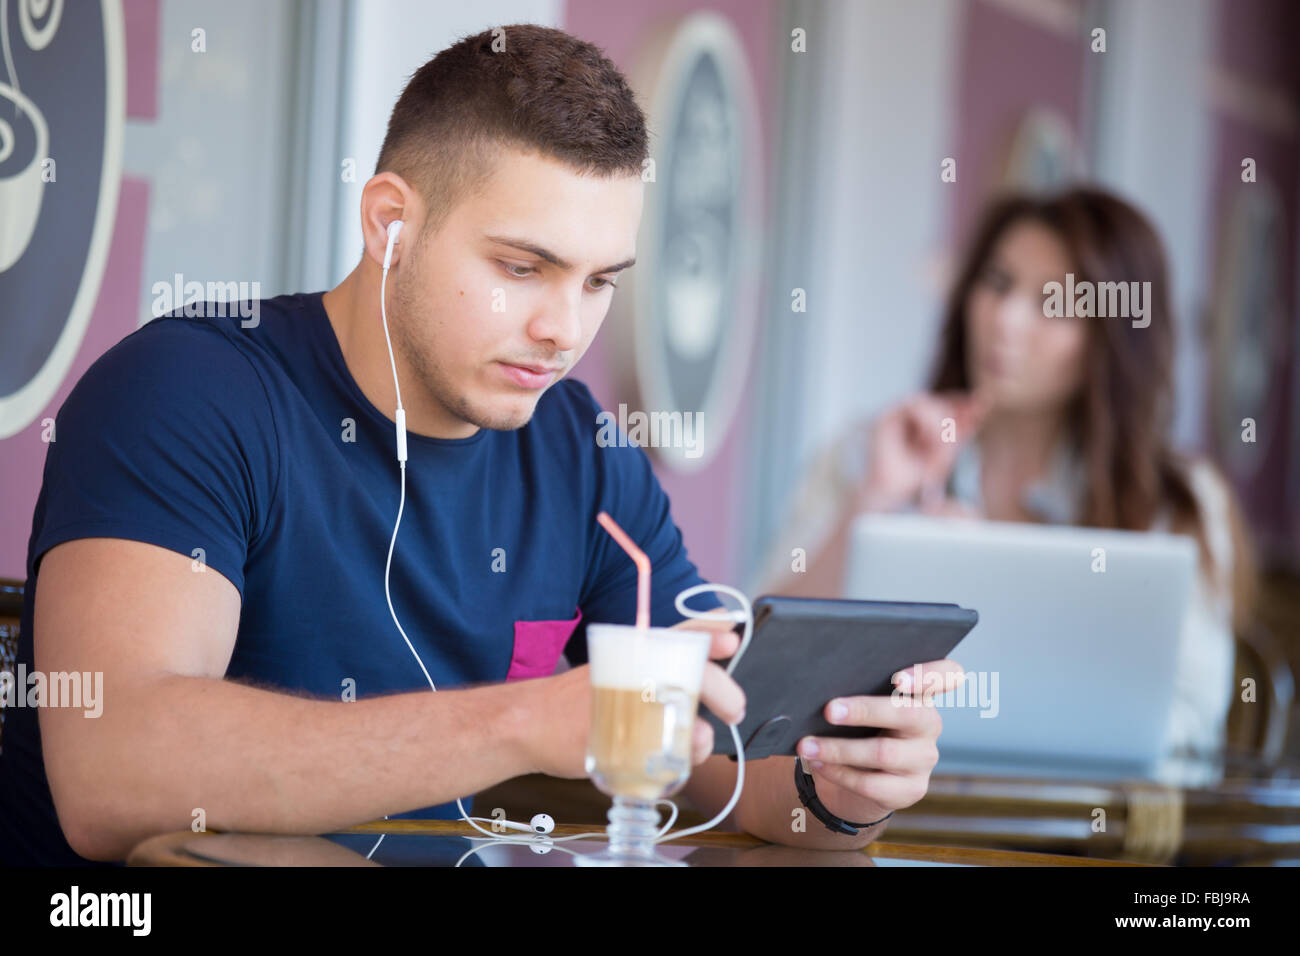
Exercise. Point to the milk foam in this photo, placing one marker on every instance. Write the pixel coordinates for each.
(628, 659)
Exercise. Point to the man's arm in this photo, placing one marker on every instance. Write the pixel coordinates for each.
(766, 807)
(174, 736)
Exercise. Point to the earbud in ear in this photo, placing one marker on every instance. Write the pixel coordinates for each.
(394, 229)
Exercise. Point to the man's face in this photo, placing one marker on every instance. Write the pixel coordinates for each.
(520, 274)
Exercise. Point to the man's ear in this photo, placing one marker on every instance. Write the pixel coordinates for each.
(386, 197)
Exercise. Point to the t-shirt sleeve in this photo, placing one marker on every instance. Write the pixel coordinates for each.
(168, 439)
(626, 488)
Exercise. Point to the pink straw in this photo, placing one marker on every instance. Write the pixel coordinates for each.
(642, 568)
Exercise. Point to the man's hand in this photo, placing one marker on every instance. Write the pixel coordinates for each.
(718, 691)
(556, 716)
(865, 779)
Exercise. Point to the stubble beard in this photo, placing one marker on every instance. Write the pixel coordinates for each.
(432, 374)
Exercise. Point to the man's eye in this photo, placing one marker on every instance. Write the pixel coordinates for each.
(602, 283)
(523, 273)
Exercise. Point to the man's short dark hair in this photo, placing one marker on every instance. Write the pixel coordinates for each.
(539, 90)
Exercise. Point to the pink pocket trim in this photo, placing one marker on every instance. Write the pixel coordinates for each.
(538, 646)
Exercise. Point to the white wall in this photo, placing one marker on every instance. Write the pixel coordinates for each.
(1154, 148)
(873, 308)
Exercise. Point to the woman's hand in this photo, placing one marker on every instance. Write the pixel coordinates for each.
(914, 446)
(949, 508)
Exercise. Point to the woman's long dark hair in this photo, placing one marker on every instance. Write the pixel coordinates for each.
(1120, 417)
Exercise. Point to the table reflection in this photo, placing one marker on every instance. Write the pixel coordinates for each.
(442, 843)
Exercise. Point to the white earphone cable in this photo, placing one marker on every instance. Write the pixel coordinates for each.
(745, 614)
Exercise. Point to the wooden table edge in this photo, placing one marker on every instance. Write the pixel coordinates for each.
(170, 849)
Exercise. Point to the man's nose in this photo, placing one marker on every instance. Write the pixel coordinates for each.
(559, 320)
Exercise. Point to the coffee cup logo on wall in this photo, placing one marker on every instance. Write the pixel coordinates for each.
(62, 107)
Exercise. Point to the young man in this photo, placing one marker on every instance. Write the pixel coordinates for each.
(213, 525)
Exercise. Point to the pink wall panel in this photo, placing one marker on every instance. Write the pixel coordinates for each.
(142, 22)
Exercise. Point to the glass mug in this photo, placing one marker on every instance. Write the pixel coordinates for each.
(645, 691)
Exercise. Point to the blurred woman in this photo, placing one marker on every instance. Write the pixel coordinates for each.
(1058, 420)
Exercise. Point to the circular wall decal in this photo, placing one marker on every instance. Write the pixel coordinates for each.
(62, 111)
(686, 345)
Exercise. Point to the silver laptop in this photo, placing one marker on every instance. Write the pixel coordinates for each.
(1072, 662)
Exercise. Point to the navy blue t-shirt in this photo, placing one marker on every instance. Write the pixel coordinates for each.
(253, 451)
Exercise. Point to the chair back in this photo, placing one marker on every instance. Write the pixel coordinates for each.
(11, 612)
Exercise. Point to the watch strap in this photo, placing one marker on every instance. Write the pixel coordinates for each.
(807, 789)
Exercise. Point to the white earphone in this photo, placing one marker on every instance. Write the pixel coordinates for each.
(542, 824)
(394, 230)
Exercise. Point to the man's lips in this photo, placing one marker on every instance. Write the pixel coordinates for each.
(539, 369)
(529, 376)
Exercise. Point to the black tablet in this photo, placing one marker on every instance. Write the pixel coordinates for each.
(807, 651)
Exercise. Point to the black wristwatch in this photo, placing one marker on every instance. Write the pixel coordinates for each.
(807, 788)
